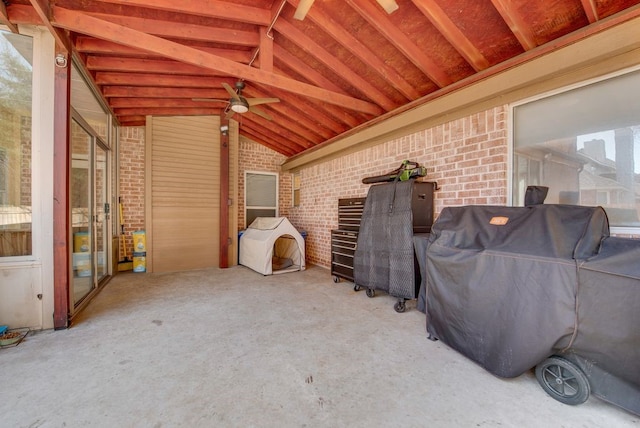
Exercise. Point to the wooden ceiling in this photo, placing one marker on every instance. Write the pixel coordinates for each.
(347, 65)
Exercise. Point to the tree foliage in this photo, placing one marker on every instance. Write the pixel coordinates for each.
(15, 78)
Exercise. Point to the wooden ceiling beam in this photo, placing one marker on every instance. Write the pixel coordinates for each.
(328, 116)
(89, 25)
(302, 126)
(181, 31)
(139, 65)
(341, 71)
(269, 127)
(164, 92)
(591, 10)
(275, 141)
(43, 10)
(135, 102)
(166, 111)
(263, 142)
(260, 139)
(23, 14)
(516, 23)
(132, 120)
(452, 33)
(317, 79)
(4, 19)
(372, 14)
(320, 124)
(310, 74)
(333, 117)
(266, 50)
(150, 79)
(91, 45)
(132, 123)
(361, 51)
(232, 11)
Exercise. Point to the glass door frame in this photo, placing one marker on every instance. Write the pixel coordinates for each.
(99, 216)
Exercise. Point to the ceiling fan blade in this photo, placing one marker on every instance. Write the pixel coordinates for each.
(258, 101)
(260, 113)
(388, 5)
(303, 9)
(231, 91)
(229, 114)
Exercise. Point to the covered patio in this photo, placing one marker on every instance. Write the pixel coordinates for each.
(231, 347)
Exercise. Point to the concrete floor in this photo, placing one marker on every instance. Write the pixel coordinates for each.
(232, 348)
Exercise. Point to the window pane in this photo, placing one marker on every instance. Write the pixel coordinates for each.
(83, 237)
(296, 189)
(584, 144)
(252, 214)
(602, 106)
(261, 190)
(15, 144)
(85, 103)
(261, 196)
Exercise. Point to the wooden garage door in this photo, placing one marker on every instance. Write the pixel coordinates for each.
(183, 192)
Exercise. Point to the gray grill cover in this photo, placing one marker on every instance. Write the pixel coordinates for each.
(384, 257)
(609, 313)
(504, 295)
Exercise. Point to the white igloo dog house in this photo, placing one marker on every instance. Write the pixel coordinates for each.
(271, 245)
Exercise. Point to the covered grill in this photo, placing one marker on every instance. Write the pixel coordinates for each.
(512, 288)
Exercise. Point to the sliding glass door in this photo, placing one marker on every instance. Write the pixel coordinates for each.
(90, 211)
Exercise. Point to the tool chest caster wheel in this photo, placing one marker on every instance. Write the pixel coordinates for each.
(400, 306)
(371, 292)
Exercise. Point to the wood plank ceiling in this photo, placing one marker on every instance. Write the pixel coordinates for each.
(346, 65)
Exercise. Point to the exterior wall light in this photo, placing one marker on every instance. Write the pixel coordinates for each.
(61, 60)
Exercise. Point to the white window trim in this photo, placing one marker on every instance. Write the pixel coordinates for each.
(277, 206)
(293, 187)
(41, 151)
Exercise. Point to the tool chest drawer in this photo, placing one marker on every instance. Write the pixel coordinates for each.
(345, 238)
(343, 248)
(350, 213)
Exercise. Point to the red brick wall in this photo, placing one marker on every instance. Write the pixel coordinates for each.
(467, 157)
(132, 162)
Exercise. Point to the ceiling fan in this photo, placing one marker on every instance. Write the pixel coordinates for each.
(304, 6)
(240, 104)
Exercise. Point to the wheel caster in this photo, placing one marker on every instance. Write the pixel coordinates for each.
(371, 292)
(356, 287)
(432, 338)
(563, 380)
(400, 306)
(336, 279)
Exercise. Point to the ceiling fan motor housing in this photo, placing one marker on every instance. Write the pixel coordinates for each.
(239, 105)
